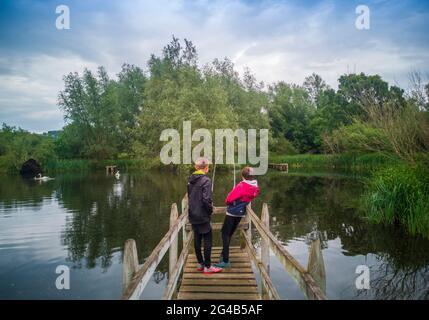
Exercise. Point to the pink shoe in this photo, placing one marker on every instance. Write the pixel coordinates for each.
(212, 270)
(200, 267)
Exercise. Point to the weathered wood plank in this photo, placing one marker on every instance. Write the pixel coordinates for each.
(219, 282)
(215, 259)
(219, 289)
(130, 264)
(172, 251)
(217, 296)
(226, 270)
(218, 226)
(221, 275)
(241, 264)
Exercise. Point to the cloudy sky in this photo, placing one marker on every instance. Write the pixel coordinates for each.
(277, 40)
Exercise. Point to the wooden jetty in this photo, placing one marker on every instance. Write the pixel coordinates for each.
(279, 166)
(237, 282)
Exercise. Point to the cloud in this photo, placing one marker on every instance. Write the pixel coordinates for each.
(277, 40)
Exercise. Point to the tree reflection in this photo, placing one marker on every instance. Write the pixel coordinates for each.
(106, 212)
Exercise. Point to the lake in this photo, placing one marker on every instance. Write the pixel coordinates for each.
(83, 220)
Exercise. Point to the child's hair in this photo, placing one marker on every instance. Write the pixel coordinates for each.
(201, 163)
(247, 173)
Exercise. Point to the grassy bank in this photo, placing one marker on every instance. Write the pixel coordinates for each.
(331, 161)
(399, 195)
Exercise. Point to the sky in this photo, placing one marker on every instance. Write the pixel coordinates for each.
(277, 40)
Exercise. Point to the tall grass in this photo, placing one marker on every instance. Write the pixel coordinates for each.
(399, 195)
(335, 161)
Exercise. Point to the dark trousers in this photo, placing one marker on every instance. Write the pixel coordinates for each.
(229, 226)
(198, 238)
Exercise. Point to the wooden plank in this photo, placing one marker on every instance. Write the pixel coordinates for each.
(219, 289)
(220, 275)
(172, 251)
(218, 226)
(217, 296)
(233, 258)
(231, 248)
(226, 270)
(130, 263)
(241, 264)
(219, 282)
(237, 254)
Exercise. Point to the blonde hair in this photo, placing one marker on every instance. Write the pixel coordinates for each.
(201, 163)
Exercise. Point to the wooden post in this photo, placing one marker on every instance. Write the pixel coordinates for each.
(174, 214)
(316, 265)
(185, 212)
(130, 263)
(248, 232)
(265, 247)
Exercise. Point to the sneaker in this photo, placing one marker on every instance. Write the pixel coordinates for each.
(200, 267)
(223, 264)
(212, 269)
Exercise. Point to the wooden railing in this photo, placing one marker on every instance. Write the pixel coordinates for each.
(136, 277)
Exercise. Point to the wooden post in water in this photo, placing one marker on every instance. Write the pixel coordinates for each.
(130, 263)
(316, 264)
(174, 214)
(265, 246)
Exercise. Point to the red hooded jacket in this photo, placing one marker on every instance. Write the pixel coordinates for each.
(245, 191)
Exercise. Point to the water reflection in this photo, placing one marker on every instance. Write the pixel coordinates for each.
(84, 220)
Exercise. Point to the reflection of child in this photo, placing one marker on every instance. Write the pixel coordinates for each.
(237, 200)
(200, 211)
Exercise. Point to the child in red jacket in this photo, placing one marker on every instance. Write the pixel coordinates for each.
(237, 200)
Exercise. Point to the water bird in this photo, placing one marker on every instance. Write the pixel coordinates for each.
(42, 178)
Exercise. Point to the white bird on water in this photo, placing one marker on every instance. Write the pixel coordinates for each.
(117, 175)
(42, 178)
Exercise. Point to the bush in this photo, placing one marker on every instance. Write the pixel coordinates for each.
(400, 195)
(282, 146)
(358, 137)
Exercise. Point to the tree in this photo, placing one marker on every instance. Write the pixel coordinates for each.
(290, 115)
(315, 86)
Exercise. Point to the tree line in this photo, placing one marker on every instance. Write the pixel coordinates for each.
(122, 118)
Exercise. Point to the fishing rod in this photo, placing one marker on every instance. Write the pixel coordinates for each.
(213, 177)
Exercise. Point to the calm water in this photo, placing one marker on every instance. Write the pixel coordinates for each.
(82, 221)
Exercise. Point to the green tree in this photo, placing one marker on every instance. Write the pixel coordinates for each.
(290, 114)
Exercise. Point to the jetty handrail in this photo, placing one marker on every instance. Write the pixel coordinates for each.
(136, 277)
(174, 277)
(291, 265)
(265, 277)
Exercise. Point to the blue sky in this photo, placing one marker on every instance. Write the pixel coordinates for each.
(277, 40)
